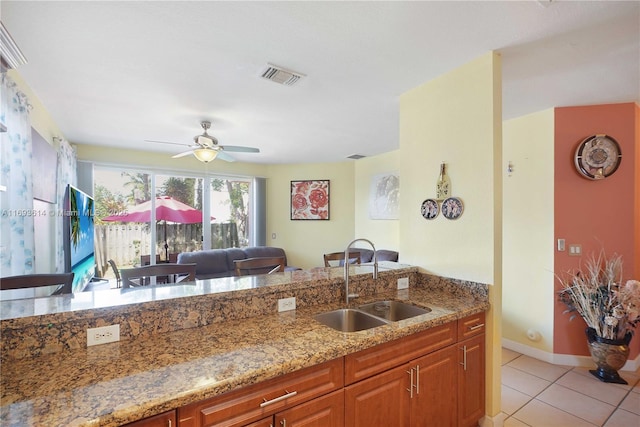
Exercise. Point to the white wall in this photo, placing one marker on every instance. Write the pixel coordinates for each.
(528, 247)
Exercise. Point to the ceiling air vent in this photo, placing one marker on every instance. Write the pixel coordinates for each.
(356, 156)
(281, 75)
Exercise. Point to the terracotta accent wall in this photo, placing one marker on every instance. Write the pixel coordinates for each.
(595, 214)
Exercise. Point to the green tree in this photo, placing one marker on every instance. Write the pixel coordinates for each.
(237, 191)
(181, 189)
(107, 203)
(140, 185)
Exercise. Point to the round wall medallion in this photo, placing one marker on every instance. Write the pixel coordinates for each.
(429, 209)
(598, 157)
(452, 208)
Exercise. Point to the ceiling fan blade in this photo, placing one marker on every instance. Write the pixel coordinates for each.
(184, 153)
(167, 142)
(224, 156)
(239, 149)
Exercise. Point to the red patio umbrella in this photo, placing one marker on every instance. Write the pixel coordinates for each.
(167, 209)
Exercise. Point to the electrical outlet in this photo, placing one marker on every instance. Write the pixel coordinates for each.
(403, 283)
(103, 335)
(286, 304)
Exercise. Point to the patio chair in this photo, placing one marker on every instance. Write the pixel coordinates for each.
(354, 258)
(164, 273)
(64, 280)
(259, 265)
(116, 272)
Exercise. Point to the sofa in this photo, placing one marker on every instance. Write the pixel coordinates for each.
(366, 255)
(213, 263)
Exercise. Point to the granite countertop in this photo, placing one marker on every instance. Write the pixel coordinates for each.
(117, 383)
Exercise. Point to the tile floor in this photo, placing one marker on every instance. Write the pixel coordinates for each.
(539, 394)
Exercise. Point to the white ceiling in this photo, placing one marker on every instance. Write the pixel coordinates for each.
(119, 73)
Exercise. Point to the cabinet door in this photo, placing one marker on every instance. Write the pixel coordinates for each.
(325, 411)
(381, 400)
(258, 401)
(266, 422)
(434, 401)
(166, 419)
(471, 381)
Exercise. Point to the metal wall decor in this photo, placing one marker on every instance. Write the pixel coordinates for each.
(451, 207)
(597, 157)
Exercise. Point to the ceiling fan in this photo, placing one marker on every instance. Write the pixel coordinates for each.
(206, 147)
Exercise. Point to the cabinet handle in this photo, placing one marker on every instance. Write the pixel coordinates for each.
(417, 379)
(473, 328)
(283, 423)
(410, 389)
(169, 423)
(464, 357)
(278, 399)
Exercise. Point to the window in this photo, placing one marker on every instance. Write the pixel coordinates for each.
(127, 240)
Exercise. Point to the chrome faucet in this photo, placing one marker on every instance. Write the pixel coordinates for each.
(346, 267)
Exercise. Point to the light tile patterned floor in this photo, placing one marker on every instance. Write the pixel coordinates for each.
(539, 394)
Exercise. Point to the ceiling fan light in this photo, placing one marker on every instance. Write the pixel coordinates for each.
(205, 155)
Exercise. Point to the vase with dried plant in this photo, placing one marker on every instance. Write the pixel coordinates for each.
(610, 309)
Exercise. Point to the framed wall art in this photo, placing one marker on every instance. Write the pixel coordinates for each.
(384, 196)
(310, 199)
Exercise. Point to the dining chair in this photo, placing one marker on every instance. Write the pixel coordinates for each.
(354, 258)
(116, 272)
(259, 265)
(164, 273)
(64, 280)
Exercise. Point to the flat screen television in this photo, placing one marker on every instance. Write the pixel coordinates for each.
(79, 251)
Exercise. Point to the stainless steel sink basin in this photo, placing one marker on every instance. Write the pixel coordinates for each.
(349, 320)
(393, 310)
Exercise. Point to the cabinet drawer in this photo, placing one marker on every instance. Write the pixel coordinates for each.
(389, 355)
(166, 419)
(471, 326)
(257, 401)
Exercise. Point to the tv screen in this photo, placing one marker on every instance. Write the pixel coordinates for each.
(79, 239)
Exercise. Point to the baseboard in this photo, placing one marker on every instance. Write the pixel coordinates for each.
(497, 421)
(562, 359)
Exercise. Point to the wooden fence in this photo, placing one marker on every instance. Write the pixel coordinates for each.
(125, 243)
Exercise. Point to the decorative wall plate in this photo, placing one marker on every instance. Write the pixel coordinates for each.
(429, 209)
(598, 157)
(452, 208)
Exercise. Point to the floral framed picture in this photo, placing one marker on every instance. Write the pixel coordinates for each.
(310, 199)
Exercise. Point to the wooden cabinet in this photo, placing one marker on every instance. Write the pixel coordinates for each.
(432, 378)
(434, 400)
(325, 411)
(259, 401)
(423, 380)
(166, 419)
(471, 370)
(381, 400)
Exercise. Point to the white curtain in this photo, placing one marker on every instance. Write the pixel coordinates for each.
(67, 165)
(16, 199)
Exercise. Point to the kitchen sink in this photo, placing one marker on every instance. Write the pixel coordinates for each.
(349, 320)
(393, 310)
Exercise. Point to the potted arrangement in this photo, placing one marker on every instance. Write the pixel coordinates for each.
(609, 307)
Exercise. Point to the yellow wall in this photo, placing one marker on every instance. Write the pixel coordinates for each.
(528, 230)
(383, 233)
(305, 241)
(456, 118)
